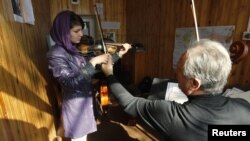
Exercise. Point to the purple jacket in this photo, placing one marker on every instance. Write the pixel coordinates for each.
(74, 75)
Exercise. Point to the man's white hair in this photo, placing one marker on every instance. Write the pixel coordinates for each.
(208, 61)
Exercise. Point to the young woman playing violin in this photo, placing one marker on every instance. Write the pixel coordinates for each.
(74, 73)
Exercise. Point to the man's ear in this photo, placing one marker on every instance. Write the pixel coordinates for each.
(193, 87)
(196, 83)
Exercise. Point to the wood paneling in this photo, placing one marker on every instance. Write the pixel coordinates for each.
(26, 92)
(153, 24)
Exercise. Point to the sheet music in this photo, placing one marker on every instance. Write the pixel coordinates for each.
(174, 93)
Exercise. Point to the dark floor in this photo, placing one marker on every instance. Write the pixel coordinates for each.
(116, 125)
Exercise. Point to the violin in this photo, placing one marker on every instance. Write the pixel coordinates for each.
(97, 49)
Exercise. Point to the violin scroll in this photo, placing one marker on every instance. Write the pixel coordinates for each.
(238, 50)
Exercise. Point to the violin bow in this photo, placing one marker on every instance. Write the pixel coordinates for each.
(100, 28)
(104, 98)
(195, 20)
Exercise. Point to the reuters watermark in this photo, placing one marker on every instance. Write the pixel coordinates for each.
(241, 132)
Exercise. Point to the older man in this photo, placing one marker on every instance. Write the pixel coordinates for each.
(202, 73)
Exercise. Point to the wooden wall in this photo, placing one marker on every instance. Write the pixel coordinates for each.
(153, 24)
(27, 100)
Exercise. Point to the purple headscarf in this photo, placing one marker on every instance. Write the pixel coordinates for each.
(60, 31)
